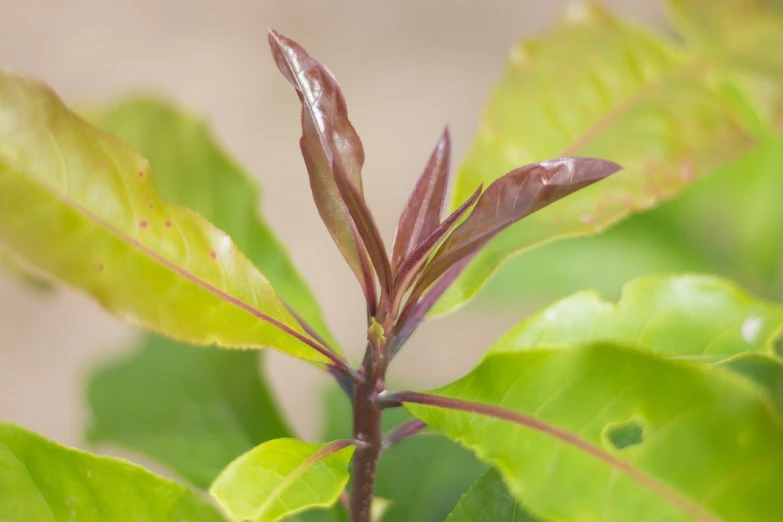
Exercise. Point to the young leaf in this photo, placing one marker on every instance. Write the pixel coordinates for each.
(488, 500)
(41, 480)
(689, 316)
(283, 477)
(668, 113)
(192, 410)
(507, 200)
(707, 444)
(79, 204)
(421, 214)
(334, 157)
(415, 496)
(191, 170)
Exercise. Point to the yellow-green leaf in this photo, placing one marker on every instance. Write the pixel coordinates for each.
(78, 203)
(283, 477)
(191, 170)
(42, 481)
(597, 86)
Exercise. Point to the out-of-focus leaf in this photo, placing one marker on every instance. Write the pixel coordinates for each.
(421, 214)
(708, 447)
(42, 481)
(488, 500)
(423, 476)
(596, 86)
(510, 198)
(78, 203)
(690, 316)
(333, 154)
(283, 477)
(194, 410)
(13, 267)
(191, 170)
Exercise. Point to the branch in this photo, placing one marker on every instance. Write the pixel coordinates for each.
(403, 431)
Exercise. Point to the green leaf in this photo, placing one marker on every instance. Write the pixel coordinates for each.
(192, 170)
(417, 492)
(42, 481)
(596, 86)
(79, 204)
(711, 446)
(283, 477)
(194, 410)
(488, 500)
(688, 316)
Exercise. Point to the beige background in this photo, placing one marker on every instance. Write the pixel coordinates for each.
(407, 68)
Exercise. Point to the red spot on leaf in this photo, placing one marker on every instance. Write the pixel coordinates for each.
(143, 224)
(150, 206)
(141, 173)
(213, 254)
(100, 267)
(587, 220)
(168, 224)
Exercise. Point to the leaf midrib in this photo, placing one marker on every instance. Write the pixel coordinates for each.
(152, 254)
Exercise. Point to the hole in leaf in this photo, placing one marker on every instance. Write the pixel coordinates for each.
(624, 434)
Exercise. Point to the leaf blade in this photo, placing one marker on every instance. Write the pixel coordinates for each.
(194, 410)
(42, 480)
(265, 484)
(676, 316)
(421, 213)
(631, 97)
(68, 186)
(562, 402)
(193, 170)
(334, 157)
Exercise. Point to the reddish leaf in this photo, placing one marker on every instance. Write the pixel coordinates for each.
(411, 266)
(509, 199)
(421, 214)
(329, 143)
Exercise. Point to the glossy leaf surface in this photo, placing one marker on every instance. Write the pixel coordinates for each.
(192, 170)
(80, 204)
(709, 448)
(194, 410)
(512, 197)
(42, 481)
(422, 212)
(333, 154)
(488, 500)
(597, 86)
(688, 316)
(282, 477)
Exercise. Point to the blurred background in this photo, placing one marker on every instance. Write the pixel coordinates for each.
(407, 68)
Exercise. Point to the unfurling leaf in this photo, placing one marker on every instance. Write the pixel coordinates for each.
(334, 156)
(412, 265)
(708, 445)
(80, 204)
(668, 112)
(283, 477)
(511, 198)
(41, 480)
(421, 214)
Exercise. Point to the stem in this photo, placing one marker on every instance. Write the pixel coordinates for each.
(367, 415)
(366, 429)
